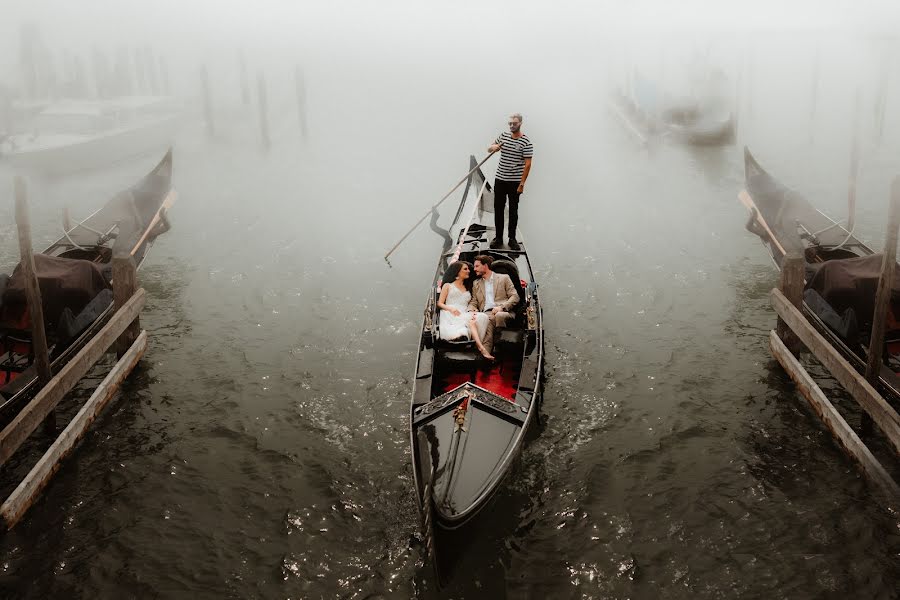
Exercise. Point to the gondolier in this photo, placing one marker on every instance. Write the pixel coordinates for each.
(515, 164)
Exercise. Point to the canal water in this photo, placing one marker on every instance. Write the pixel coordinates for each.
(261, 449)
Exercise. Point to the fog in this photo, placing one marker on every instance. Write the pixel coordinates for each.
(262, 448)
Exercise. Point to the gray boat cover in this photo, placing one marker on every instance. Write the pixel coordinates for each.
(65, 283)
(852, 283)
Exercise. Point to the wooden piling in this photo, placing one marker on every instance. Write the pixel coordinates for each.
(164, 75)
(245, 83)
(207, 103)
(814, 93)
(300, 90)
(140, 70)
(150, 67)
(263, 112)
(881, 103)
(885, 284)
(793, 277)
(124, 275)
(39, 346)
(32, 288)
(854, 165)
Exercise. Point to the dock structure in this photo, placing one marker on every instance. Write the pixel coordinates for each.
(795, 331)
(121, 333)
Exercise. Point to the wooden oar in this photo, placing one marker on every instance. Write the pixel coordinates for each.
(447, 195)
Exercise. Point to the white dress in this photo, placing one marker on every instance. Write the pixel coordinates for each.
(453, 327)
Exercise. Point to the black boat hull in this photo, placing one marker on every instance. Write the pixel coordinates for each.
(787, 222)
(469, 418)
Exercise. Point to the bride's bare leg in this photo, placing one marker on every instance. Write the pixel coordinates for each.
(473, 329)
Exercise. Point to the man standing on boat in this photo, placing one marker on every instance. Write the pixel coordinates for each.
(515, 164)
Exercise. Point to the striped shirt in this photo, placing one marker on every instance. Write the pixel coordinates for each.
(512, 156)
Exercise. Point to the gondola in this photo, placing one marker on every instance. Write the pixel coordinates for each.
(696, 121)
(841, 271)
(469, 417)
(74, 275)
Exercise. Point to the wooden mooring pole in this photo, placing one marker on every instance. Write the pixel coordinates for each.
(814, 93)
(125, 285)
(793, 274)
(300, 90)
(207, 102)
(33, 294)
(854, 165)
(245, 85)
(263, 112)
(885, 284)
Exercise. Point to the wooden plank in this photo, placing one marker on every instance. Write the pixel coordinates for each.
(159, 216)
(28, 490)
(46, 400)
(32, 288)
(746, 200)
(124, 281)
(881, 412)
(832, 419)
(793, 280)
(885, 283)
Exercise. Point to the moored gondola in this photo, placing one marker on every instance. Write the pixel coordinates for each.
(468, 416)
(693, 120)
(841, 271)
(74, 275)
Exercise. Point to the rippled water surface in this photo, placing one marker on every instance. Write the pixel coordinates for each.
(261, 449)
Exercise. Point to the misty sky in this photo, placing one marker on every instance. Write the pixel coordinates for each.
(191, 24)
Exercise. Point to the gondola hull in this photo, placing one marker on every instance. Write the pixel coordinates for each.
(127, 225)
(469, 418)
(787, 223)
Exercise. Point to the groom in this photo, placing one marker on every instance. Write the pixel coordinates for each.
(494, 294)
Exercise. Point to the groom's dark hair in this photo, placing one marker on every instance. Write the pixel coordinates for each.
(485, 260)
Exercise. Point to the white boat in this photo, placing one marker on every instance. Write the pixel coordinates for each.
(72, 136)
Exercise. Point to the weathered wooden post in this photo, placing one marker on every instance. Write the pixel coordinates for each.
(885, 283)
(814, 94)
(164, 75)
(125, 285)
(245, 84)
(33, 294)
(793, 276)
(300, 89)
(207, 102)
(150, 66)
(854, 166)
(263, 112)
(139, 70)
(881, 101)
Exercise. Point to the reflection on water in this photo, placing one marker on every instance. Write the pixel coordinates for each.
(262, 448)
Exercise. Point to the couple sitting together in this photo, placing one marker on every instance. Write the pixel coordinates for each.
(471, 310)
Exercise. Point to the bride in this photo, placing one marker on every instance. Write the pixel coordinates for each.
(455, 320)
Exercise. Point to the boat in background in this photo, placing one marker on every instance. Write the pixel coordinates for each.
(704, 117)
(77, 135)
(468, 417)
(74, 275)
(842, 272)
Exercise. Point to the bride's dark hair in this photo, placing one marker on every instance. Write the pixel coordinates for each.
(453, 271)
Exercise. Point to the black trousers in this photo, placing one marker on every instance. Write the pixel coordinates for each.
(502, 191)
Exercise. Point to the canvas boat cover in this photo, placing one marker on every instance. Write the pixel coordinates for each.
(65, 283)
(852, 283)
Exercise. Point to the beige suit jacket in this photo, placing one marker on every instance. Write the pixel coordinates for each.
(505, 295)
